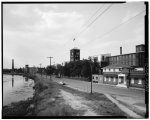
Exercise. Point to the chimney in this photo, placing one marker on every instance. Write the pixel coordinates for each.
(12, 64)
(120, 50)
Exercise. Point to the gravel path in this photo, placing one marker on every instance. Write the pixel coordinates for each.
(78, 103)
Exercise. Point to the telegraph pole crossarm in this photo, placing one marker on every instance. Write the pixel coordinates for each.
(50, 65)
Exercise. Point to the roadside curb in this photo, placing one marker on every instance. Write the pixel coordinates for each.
(123, 108)
(122, 87)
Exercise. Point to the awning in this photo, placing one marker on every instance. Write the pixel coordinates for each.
(111, 75)
(138, 76)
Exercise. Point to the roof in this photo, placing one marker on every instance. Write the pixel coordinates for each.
(141, 45)
(126, 54)
(117, 66)
(75, 48)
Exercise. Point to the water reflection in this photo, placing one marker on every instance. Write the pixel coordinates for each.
(16, 88)
(12, 81)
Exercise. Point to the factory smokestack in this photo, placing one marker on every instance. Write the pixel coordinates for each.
(12, 64)
(120, 50)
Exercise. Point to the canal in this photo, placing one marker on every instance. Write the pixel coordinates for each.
(16, 88)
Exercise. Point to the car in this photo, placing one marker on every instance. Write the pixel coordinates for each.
(62, 83)
(95, 81)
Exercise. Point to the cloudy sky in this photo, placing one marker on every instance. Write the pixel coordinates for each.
(32, 32)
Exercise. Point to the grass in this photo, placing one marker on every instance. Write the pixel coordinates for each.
(18, 109)
(48, 102)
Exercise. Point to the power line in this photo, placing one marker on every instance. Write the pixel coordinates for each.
(92, 16)
(89, 19)
(116, 27)
(95, 19)
(122, 24)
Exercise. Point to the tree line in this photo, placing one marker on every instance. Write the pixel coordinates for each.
(82, 68)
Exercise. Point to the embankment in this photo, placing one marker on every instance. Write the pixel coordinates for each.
(45, 102)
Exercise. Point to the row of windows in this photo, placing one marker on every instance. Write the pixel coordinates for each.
(126, 57)
(123, 57)
(95, 77)
(112, 70)
(111, 79)
(138, 82)
(114, 79)
(132, 63)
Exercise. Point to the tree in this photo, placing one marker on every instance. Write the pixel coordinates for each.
(50, 70)
(86, 69)
(95, 68)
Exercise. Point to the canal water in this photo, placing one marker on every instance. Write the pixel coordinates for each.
(16, 88)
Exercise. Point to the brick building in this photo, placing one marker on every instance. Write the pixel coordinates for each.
(132, 59)
(74, 54)
(126, 69)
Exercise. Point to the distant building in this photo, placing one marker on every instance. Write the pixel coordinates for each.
(26, 70)
(64, 63)
(104, 60)
(74, 54)
(97, 78)
(33, 70)
(94, 58)
(140, 48)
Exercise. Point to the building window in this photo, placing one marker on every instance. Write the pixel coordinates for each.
(96, 78)
(133, 56)
(140, 82)
(132, 81)
(114, 79)
(105, 79)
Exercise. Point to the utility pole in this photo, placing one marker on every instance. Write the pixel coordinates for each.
(91, 76)
(40, 68)
(50, 65)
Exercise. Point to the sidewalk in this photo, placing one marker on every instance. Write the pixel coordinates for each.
(127, 104)
(123, 107)
(121, 87)
(135, 104)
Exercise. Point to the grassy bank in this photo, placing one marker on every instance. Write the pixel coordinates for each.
(47, 100)
(21, 108)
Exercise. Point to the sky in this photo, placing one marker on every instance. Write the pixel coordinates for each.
(33, 32)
